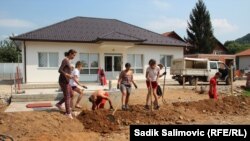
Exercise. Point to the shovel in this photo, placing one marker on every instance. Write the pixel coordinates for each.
(111, 117)
(150, 94)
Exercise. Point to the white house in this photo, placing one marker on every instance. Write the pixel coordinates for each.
(100, 43)
(243, 60)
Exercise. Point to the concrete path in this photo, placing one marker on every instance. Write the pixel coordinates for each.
(21, 106)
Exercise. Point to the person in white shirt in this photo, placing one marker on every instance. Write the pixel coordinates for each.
(74, 82)
(152, 75)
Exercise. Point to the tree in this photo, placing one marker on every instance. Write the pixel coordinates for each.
(199, 31)
(9, 51)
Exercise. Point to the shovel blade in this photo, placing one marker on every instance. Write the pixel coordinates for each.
(111, 118)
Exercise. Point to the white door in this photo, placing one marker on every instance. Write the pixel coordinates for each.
(113, 65)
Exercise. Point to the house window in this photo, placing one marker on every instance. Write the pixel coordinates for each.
(166, 60)
(90, 63)
(136, 61)
(48, 59)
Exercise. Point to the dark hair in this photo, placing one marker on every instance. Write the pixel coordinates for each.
(90, 99)
(71, 51)
(78, 63)
(151, 62)
(218, 73)
(127, 65)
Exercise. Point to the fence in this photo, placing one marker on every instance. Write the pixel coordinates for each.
(8, 70)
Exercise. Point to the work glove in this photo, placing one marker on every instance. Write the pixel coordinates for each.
(164, 73)
(118, 86)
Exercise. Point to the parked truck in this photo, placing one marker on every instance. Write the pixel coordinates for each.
(190, 69)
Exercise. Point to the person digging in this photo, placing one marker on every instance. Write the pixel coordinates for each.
(99, 99)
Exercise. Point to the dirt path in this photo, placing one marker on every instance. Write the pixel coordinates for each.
(183, 107)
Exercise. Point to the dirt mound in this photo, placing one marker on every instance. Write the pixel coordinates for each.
(99, 121)
(231, 105)
(190, 108)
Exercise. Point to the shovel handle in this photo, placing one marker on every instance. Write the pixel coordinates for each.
(151, 101)
(114, 110)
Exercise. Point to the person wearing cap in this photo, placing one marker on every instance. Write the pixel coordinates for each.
(212, 86)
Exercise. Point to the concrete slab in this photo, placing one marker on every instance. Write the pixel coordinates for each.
(115, 97)
(21, 107)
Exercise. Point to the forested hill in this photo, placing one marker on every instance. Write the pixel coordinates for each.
(238, 45)
(244, 39)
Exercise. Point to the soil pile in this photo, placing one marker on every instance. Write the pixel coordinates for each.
(230, 105)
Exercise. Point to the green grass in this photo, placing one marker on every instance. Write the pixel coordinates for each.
(246, 92)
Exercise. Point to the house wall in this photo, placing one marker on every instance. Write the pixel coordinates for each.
(219, 49)
(244, 63)
(46, 75)
(154, 52)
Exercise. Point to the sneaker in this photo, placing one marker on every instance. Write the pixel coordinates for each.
(60, 107)
(69, 116)
(126, 107)
(146, 107)
(157, 107)
(123, 107)
(76, 113)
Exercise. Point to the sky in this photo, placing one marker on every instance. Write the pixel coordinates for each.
(230, 19)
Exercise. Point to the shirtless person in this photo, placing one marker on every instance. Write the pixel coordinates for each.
(99, 98)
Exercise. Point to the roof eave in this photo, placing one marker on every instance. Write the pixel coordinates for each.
(47, 40)
(119, 40)
(162, 45)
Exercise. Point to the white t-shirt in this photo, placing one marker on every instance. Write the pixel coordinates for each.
(152, 73)
(74, 73)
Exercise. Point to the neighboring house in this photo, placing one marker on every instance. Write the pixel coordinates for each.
(100, 43)
(219, 48)
(219, 51)
(174, 35)
(243, 60)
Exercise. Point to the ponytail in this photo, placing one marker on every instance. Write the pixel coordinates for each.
(71, 51)
(66, 54)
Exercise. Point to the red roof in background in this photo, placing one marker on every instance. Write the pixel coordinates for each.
(244, 53)
(173, 34)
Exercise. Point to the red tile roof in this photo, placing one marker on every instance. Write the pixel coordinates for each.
(173, 34)
(244, 53)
